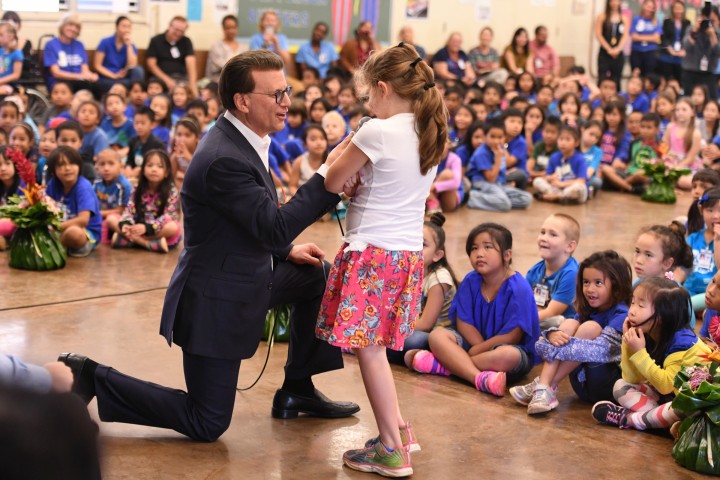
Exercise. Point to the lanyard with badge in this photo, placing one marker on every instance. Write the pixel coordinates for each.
(541, 292)
(706, 260)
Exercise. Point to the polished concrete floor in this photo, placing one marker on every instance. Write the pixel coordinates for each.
(108, 307)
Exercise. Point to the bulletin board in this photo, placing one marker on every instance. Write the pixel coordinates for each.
(297, 17)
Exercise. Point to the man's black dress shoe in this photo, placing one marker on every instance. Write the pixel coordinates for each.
(289, 405)
(83, 370)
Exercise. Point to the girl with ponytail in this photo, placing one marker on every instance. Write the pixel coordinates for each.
(374, 290)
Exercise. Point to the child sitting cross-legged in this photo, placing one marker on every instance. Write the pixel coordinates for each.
(586, 348)
(495, 321)
(565, 180)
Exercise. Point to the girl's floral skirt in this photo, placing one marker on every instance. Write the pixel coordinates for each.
(372, 298)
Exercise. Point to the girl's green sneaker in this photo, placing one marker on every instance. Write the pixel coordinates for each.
(377, 459)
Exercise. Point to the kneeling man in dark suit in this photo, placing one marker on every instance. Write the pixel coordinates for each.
(238, 261)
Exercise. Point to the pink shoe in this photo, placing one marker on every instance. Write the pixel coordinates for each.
(425, 362)
(491, 382)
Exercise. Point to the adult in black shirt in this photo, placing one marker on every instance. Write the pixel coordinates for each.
(170, 56)
(671, 48)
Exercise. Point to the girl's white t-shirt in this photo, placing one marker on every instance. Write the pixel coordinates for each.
(387, 210)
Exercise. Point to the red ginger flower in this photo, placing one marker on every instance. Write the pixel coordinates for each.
(24, 168)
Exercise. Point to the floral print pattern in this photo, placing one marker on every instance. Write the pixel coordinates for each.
(372, 298)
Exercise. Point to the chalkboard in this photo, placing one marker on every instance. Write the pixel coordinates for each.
(297, 17)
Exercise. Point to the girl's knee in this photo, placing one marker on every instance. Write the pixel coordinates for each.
(170, 229)
(589, 330)
(440, 336)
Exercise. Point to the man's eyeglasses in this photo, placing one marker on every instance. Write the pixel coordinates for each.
(279, 94)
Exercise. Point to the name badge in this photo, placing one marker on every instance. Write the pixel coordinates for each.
(461, 64)
(542, 161)
(174, 52)
(705, 261)
(323, 58)
(628, 109)
(677, 46)
(538, 62)
(541, 294)
(704, 64)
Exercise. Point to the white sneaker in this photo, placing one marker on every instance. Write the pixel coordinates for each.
(543, 400)
(524, 393)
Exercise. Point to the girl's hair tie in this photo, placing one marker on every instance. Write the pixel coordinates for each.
(703, 199)
(670, 276)
(415, 62)
(429, 85)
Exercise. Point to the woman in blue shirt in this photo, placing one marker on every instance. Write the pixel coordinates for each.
(645, 32)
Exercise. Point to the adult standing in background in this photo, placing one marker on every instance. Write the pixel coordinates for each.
(355, 51)
(485, 60)
(452, 63)
(171, 57)
(270, 37)
(674, 28)
(546, 60)
(224, 49)
(115, 59)
(702, 54)
(407, 35)
(612, 30)
(516, 57)
(65, 58)
(645, 33)
(318, 53)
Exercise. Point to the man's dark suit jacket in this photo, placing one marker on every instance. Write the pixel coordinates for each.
(218, 296)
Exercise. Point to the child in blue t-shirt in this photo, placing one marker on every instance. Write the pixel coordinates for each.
(297, 120)
(94, 140)
(586, 348)
(112, 188)
(495, 321)
(81, 221)
(589, 138)
(487, 173)
(703, 246)
(11, 58)
(517, 149)
(553, 278)
(117, 127)
(634, 96)
(566, 177)
(48, 143)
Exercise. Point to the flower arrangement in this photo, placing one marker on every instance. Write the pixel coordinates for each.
(657, 165)
(35, 245)
(698, 445)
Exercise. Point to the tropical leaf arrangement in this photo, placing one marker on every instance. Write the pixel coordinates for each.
(698, 445)
(657, 166)
(35, 245)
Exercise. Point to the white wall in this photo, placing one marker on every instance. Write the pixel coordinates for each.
(569, 22)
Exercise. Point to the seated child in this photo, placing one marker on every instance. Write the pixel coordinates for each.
(657, 342)
(335, 128)
(199, 109)
(589, 137)
(307, 164)
(94, 140)
(495, 321)
(446, 192)
(544, 149)
(587, 347)
(117, 127)
(112, 188)
(70, 134)
(553, 278)
(143, 142)
(437, 292)
(150, 219)
(565, 180)
(10, 183)
(487, 173)
(48, 143)
(517, 150)
(81, 221)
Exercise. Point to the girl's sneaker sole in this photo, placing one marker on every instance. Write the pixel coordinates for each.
(379, 469)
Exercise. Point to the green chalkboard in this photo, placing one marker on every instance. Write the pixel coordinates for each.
(297, 17)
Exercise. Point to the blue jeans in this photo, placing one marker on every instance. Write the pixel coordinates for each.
(418, 340)
(134, 74)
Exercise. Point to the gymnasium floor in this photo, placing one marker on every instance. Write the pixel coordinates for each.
(108, 307)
